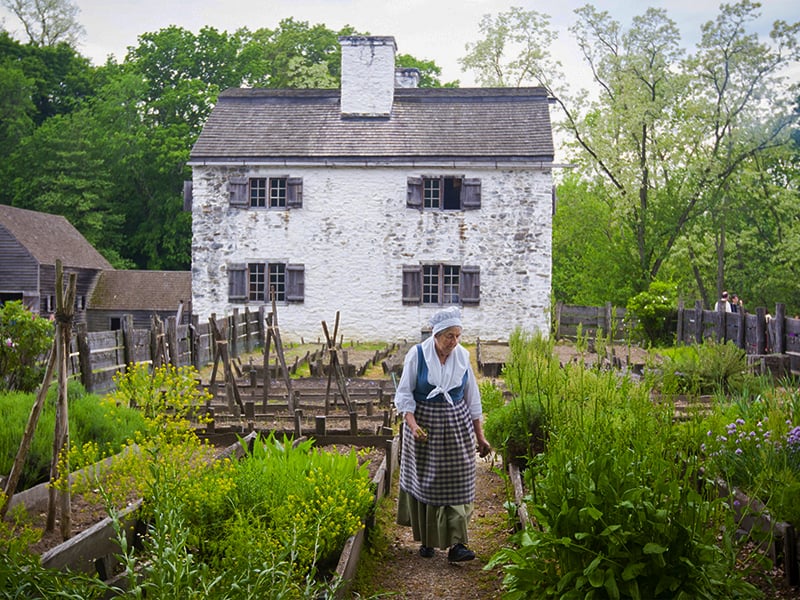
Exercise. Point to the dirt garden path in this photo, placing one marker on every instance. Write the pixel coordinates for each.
(400, 572)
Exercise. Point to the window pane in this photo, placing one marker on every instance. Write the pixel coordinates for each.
(258, 192)
(430, 284)
(277, 280)
(450, 284)
(431, 193)
(277, 192)
(257, 282)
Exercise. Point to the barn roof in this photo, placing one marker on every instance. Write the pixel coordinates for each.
(141, 290)
(50, 237)
(477, 124)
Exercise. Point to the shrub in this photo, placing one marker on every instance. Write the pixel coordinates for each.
(24, 341)
(649, 313)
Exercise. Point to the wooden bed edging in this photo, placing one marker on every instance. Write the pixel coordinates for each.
(351, 553)
(776, 539)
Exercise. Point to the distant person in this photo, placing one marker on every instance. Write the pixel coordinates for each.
(736, 304)
(439, 399)
(723, 303)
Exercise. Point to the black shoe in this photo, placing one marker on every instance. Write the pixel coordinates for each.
(460, 553)
(426, 551)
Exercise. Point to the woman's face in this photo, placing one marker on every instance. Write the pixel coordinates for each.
(447, 339)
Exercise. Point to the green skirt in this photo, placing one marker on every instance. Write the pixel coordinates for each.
(434, 526)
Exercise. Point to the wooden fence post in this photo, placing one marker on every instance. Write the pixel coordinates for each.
(722, 324)
(172, 342)
(679, 327)
(234, 334)
(248, 342)
(194, 342)
(779, 322)
(127, 339)
(84, 357)
(761, 313)
(698, 322)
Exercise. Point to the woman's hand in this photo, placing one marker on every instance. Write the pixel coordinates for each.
(484, 448)
(418, 432)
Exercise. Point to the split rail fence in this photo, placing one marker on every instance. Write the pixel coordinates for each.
(97, 356)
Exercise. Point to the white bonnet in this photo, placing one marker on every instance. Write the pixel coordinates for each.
(449, 317)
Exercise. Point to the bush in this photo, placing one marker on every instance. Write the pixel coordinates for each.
(649, 313)
(24, 341)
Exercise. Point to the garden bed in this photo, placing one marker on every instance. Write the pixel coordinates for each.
(776, 540)
(94, 547)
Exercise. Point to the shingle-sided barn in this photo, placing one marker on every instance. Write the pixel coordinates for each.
(381, 201)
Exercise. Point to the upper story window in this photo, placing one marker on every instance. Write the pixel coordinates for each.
(444, 193)
(441, 284)
(266, 192)
(258, 281)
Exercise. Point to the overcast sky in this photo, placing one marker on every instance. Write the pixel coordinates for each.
(427, 29)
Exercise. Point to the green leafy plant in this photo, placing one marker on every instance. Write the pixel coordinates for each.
(517, 429)
(615, 500)
(24, 341)
(705, 368)
(648, 313)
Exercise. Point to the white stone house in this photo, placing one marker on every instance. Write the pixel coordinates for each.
(381, 201)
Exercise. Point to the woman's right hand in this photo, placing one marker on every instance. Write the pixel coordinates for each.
(418, 432)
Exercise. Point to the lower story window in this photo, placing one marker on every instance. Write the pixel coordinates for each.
(260, 281)
(441, 284)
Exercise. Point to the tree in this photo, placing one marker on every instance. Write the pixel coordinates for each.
(664, 137)
(48, 22)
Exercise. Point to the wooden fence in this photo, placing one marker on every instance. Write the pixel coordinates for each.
(593, 321)
(96, 357)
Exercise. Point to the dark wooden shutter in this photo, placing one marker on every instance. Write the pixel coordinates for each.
(238, 189)
(470, 285)
(295, 283)
(237, 282)
(414, 199)
(294, 192)
(412, 284)
(187, 195)
(470, 193)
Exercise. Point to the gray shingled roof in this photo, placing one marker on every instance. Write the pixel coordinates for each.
(141, 290)
(460, 123)
(50, 237)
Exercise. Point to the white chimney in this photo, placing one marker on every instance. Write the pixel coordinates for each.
(367, 75)
(406, 77)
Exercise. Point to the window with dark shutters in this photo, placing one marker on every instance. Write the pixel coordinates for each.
(412, 284)
(295, 283)
(441, 284)
(470, 284)
(445, 193)
(237, 282)
(264, 192)
(239, 192)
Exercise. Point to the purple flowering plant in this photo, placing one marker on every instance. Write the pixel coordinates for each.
(760, 455)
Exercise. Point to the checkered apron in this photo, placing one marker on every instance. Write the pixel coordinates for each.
(439, 471)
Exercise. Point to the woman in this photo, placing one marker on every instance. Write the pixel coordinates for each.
(441, 406)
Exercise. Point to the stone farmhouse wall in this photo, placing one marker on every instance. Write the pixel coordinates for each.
(353, 235)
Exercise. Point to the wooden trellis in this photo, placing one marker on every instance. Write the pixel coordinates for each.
(58, 359)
